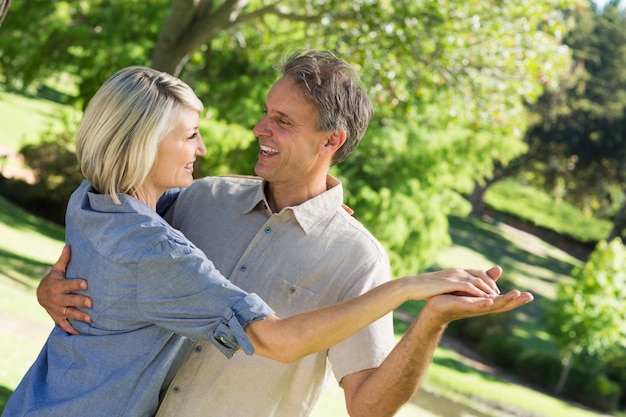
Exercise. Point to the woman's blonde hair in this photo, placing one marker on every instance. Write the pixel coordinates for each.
(124, 122)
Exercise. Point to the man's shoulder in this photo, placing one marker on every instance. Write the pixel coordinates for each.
(227, 182)
(222, 186)
(353, 231)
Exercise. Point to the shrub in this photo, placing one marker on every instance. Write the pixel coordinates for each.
(601, 393)
(500, 349)
(539, 368)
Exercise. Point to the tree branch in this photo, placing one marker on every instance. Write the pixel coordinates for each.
(4, 9)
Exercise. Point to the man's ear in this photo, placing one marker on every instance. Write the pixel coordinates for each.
(335, 140)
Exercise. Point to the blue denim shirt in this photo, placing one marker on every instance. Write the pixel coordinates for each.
(152, 289)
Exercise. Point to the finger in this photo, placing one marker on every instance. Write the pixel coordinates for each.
(63, 323)
(454, 308)
(476, 286)
(485, 281)
(67, 285)
(495, 272)
(507, 302)
(76, 314)
(75, 300)
(519, 299)
(64, 259)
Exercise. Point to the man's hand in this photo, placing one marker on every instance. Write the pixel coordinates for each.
(447, 307)
(55, 295)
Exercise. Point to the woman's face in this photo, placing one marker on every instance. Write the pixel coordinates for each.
(175, 156)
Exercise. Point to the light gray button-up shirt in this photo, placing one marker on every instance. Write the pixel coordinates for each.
(303, 258)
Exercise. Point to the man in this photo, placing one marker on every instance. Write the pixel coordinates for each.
(288, 239)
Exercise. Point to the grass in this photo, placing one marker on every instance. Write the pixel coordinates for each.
(465, 384)
(28, 247)
(23, 119)
(539, 208)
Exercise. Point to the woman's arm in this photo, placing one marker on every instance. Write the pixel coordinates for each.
(292, 338)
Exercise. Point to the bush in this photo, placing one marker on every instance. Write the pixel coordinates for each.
(539, 368)
(500, 349)
(473, 330)
(601, 393)
(616, 371)
(54, 163)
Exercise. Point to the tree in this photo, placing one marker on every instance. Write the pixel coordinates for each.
(577, 141)
(449, 78)
(589, 316)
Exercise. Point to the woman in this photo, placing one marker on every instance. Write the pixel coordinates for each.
(151, 288)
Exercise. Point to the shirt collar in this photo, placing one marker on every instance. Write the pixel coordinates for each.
(309, 213)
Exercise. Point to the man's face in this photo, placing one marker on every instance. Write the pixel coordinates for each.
(290, 143)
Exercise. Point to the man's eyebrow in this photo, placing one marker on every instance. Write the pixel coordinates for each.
(282, 114)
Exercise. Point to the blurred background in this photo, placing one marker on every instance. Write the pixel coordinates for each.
(499, 137)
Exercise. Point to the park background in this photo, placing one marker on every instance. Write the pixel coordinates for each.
(498, 139)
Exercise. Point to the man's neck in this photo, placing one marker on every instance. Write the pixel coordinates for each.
(284, 195)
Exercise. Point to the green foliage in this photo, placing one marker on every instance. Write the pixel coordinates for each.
(230, 149)
(500, 349)
(536, 206)
(538, 367)
(602, 393)
(399, 182)
(53, 159)
(577, 142)
(460, 70)
(589, 316)
(89, 40)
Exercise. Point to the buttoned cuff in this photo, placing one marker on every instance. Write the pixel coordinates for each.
(230, 334)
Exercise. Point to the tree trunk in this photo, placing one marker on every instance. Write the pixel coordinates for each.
(477, 199)
(191, 24)
(568, 361)
(4, 9)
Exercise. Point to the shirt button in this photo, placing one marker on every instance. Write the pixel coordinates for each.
(243, 268)
(268, 230)
(292, 290)
(198, 348)
(176, 389)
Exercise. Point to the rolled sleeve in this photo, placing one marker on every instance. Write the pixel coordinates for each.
(230, 335)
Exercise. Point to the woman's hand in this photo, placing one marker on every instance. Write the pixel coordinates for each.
(456, 281)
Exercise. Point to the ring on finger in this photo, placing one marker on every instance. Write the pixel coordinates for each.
(469, 278)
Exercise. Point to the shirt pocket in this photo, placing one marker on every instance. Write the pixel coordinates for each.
(288, 298)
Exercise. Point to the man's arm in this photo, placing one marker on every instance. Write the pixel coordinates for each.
(382, 391)
(55, 295)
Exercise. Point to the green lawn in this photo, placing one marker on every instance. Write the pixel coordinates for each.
(27, 249)
(22, 119)
(538, 208)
